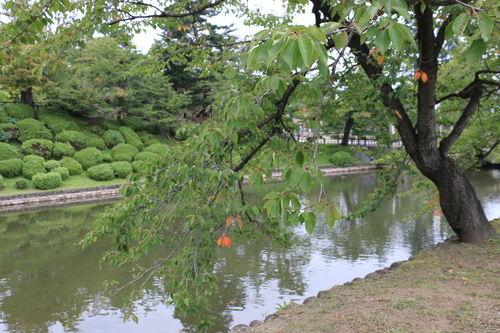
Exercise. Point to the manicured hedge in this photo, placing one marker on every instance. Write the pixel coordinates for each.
(47, 181)
(32, 129)
(101, 172)
(19, 111)
(36, 158)
(62, 149)
(32, 168)
(22, 184)
(122, 169)
(57, 120)
(158, 148)
(135, 123)
(7, 151)
(112, 137)
(73, 166)
(51, 165)
(8, 132)
(342, 158)
(11, 168)
(106, 156)
(39, 147)
(89, 157)
(64, 172)
(124, 152)
(131, 137)
(76, 139)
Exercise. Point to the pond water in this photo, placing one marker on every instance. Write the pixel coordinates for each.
(49, 284)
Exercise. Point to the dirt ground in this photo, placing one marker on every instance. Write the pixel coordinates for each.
(452, 288)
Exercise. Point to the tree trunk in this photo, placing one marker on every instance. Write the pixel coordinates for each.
(347, 130)
(27, 97)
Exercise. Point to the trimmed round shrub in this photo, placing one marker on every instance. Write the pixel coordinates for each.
(89, 157)
(32, 168)
(106, 156)
(95, 141)
(47, 181)
(135, 123)
(131, 137)
(19, 111)
(342, 158)
(122, 169)
(32, 129)
(2, 183)
(112, 138)
(22, 184)
(11, 168)
(62, 149)
(57, 120)
(8, 132)
(158, 148)
(76, 139)
(37, 158)
(64, 172)
(153, 128)
(146, 156)
(101, 172)
(39, 147)
(51, 165)
(73, 166)
(7, 151)
(124, 152)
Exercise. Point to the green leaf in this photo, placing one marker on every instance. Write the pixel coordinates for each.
(396, 36)
(310, 221)
(330, 27)
(305, 182)
(382, 41)
(485, 23)
(296, 175)
(317, 173)
(475, 51)
(299, 157)
(332, 214)
(460, 22)
(341, 39)
(291, 53)
(306, 48)
(402, 8)
(316, 33)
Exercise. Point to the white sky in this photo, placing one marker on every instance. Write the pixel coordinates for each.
(145, 40)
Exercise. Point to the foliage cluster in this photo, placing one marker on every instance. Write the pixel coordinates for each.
(11, 168)
(30, 128)
(47, 181)
(101, 172)
(57, 120)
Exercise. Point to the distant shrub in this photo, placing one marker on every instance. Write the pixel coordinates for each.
(153, 128)
(22, 184)
(8, 132)
(101, 172)
(47, 181)
(122, 169)
(158, 148)
(73, 166)
(32, 168)
(124, 152)
(146, 156)
(77, 140)
(19, 111)
(112, 137)
(57, 120)
(7, 151)
(11, 168)
(36, 158)
(89, 157)
(135, 123)
(64, 172)
(38, 147)
(2, 183)
(4, 118)
(131, 137)
(32, 129)
(342, 158)
(51, 165)
(62, 149)
(106, 156)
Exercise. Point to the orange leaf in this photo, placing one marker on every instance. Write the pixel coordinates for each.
(424, 77)
(229, 220)
(417, 75)
(219, 241)
(240, 222)
(227, 241)
(380, 59)
(398, 114)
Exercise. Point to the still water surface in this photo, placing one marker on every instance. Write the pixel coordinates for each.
(47, 281)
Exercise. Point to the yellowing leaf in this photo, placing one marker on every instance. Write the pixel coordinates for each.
(380, 59)
(229, 220)
(424, 77)
(398, 114)
(240, 222)
(94, 239)
(417, 75)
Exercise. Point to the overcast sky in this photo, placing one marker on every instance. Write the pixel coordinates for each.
(145, 40)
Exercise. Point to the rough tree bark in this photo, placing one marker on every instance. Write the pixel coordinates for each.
(458, 199)
(347, 129)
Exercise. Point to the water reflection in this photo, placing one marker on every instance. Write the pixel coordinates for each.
(47, 280)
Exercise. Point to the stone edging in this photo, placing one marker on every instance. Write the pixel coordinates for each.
(324, 293)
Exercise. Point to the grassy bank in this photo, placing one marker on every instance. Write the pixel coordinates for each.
(452, 288)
